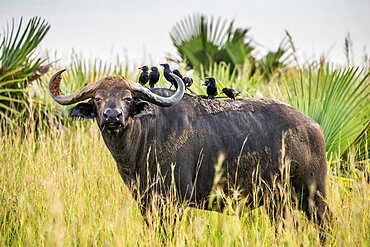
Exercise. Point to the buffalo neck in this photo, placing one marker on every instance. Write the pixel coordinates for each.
(126, 146)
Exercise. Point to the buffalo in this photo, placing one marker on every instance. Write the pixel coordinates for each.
(181, 137)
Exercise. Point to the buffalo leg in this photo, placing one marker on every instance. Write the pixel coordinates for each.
(318, 211)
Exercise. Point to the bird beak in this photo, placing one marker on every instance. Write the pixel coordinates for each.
(139, 68)
(221, 92)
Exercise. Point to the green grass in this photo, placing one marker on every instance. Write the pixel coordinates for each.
(63, 189)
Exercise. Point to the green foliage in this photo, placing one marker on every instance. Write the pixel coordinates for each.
(362, 144)
(337, 99)
(11, 94)
(18, 66)
(276, 61)
(18, 45)
(204, 41)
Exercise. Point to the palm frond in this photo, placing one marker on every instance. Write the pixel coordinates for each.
(275, 61)
(18, 65)
(19, 44)
(202, 41)
(338, 100)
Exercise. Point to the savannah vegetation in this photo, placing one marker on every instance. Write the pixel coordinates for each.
(60, 186)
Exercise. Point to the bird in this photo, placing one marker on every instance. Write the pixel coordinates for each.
(166, 73)
(211, 87)
(177, 72)
(153, 76)
(144, 75)
(187, 81)
(230, 92)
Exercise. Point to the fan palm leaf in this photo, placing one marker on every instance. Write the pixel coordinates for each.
(18, 65)
(275, 61)
(338, 100)
(204, 41)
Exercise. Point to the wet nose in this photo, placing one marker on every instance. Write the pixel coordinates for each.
(112, 114)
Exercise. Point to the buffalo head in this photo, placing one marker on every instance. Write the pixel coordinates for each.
(113, 100)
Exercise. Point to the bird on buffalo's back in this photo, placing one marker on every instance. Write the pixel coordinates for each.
(153, 76)
(230, 92)
(211, 87)
(177, 72)
(187, 81)
(144, 75)
(166, 73)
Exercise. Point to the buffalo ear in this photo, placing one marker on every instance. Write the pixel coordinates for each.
(141, 108)
(83, 110)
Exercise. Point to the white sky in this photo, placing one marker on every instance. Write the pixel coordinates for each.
(139, 30)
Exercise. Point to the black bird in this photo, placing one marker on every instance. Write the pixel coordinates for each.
(177, 72)
(166, 73)
(211, 87)
(230, 92)
(153, 76)
(144, 75)
(187, 81)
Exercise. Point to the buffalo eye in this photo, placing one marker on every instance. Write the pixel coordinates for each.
(127, 99)
(98, 99)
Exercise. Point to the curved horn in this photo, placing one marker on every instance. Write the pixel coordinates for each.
(147, 95)
(55, 92)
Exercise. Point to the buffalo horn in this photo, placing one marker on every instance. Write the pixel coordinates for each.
(145, 94)
(55, 92)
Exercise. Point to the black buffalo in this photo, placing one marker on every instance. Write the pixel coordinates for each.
(181, 137)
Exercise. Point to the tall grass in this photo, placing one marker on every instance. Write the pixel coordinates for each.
(63, 189)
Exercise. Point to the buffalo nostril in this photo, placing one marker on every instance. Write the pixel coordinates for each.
(112, 114)
(105, 114)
